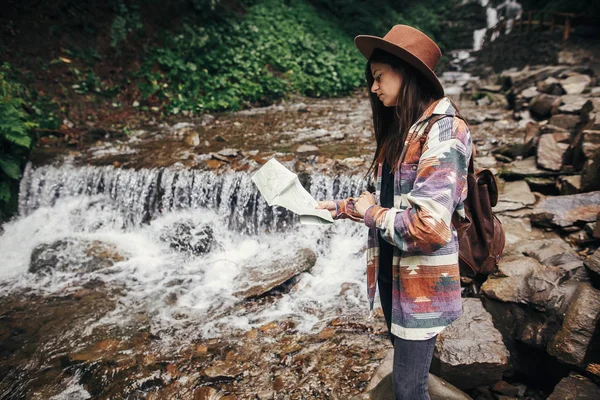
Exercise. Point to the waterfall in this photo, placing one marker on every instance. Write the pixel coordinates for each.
(508, 10)
(139, 196)
(144, 215)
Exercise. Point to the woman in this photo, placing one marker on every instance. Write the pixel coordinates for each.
(421, 180)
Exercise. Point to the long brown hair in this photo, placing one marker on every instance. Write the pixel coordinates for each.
(392, 123)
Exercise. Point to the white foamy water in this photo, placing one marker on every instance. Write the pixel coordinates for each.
(139, 214)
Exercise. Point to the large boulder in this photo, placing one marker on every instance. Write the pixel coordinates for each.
(256, 280)
(515, 196)
(185, 236)
(554, 253)
(525, 280)
(470, 352)
(544, 105)
(551, 150)
(73, 255)
(573, 341)
(381, 386)
(575, 387)
(568, 210)
(570, 122)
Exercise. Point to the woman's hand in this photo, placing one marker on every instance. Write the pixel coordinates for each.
(328, 205)
(364, 201)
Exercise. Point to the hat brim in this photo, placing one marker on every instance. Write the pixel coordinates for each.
(366, 44)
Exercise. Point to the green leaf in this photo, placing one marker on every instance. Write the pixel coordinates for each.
(20, 140)
(4, 192)
(10, 166)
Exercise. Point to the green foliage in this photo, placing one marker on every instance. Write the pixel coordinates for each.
(127, 20)
(15, 142)
(274, 49)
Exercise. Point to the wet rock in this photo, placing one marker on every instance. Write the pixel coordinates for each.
(590, 175)
(206, 393)
(213, 164)
(71, 254)
(256, 280)
(591, 144)
(527, 167)
(565, 211)
(554, 253)
(525, 280)
(571, 343)
(459, 357)
(383, 389)
(181, 128)
(228, 152)
(506, 388)
(515, 195)
(570, 184)
(223, 370)
(530, 92)
(306, 150)
(185, 236)
(191, 140)
(573, 104)
(551, 150)
(575, 84)
(530, 75)
(569, 122)
(575, 387)
(593, 262)
(550, 86)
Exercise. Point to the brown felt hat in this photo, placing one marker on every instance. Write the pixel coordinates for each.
(408, 44)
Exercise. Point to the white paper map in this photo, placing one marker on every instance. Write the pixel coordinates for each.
(281, 187)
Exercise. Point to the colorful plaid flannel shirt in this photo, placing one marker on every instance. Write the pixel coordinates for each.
(429, 186)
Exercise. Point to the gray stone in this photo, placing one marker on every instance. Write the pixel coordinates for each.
(555, 253)
(566, 210)
(591, 144)
(515, 195)
(186, 237)
(73, 255)
(544, 105)
(569, 122)
(525, 280)
(439, 389)
(570, 184)
(593, 262)
(256, 280)
(550, 86)
(307, 150)
(571, 343)
(551, 150)
(575, 387)
(228, 152)
(573, 104)
(575, 84)
(470, 352)
(530, 75)
(524, 168)
(590, 175)
(530, 92)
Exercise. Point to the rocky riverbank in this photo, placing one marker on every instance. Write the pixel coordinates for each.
(529, 331)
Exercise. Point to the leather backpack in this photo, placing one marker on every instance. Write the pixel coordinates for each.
(481, 236)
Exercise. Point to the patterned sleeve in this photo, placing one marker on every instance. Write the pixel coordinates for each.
(345, 210)
(440, 188)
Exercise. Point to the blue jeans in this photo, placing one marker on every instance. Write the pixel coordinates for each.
(412, 358)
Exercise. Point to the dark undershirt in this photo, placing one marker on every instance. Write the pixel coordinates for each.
(386, 250)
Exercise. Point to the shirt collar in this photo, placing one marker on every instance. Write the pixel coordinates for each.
(441, 106)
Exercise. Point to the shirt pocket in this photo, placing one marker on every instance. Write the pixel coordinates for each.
(408, 175)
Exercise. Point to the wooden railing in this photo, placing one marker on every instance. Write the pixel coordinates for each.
(533, 21)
